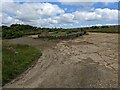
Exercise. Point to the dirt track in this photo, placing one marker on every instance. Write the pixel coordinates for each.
(84, 62)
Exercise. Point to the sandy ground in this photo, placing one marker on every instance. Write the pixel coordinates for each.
(90, 61)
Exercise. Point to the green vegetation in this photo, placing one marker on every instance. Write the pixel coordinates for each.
(18, 30)
(16, 59)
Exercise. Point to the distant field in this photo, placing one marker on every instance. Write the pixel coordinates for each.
(16, 59)
(111, 29)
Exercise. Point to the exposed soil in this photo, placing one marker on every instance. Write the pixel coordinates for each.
(85, 62)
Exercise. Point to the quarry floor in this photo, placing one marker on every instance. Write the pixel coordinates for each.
(89, 61)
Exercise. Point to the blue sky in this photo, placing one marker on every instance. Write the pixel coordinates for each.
(60, 14)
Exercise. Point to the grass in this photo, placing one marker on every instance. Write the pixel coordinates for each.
(16, 59)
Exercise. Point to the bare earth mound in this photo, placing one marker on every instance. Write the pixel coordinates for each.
(84, 62)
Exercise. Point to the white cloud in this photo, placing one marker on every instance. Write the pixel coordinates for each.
(110, 24)
(30, 11)
(67, 18)
(97, 14)
(9, 7)
(81, 16)
(49, 9)
(86, 16)
(47, 14)
(107, 14)
(6, 19)
(97, 25)
(6, 0)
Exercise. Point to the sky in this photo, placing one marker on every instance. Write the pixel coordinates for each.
(60, 13)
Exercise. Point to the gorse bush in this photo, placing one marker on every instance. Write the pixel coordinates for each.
(16, 30)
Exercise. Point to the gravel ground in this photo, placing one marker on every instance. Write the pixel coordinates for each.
(89, 61)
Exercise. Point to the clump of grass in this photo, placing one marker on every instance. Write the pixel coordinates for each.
(16, 59)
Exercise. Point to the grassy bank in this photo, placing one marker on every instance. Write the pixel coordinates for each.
(16, 59)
